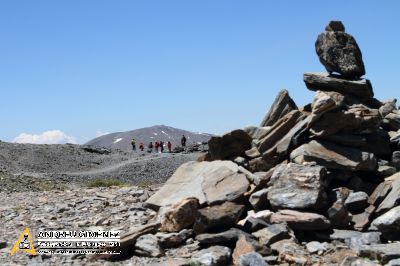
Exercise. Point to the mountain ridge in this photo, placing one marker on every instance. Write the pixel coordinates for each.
(122, 140)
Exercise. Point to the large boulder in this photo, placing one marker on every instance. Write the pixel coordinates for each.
(282, 105)
(324, 82)
(230, 145)
(209, 182)
(334, 156)
(389, 224)
(216, 217)
(339, 52)
(295, 186)
(180, 216)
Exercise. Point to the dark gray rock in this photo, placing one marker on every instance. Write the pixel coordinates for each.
(385, 171)
(356, 201)
(317, 247)
(338, 215)
(389, 224)
(344, 235)
(369, 238)
(388, 107)
(395, 262)
(396, 160)
(252, 259)
(335, 25)
(382, 252)
(228, 237)
(393, 120)
(214, 217)
(356, 261)
(230, 145)
(213, 256)
(347, 139)
(169, 240)
(259, 199)
(395, 139)
(339, 52)
(324, 82)
(282, 105)
(295, 186)
(257, 132)
(253, 224)
(272, 234)
(333, 156)
(148, 246)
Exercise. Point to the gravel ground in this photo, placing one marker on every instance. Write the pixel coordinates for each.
(113, 208)
(58, 165)
(45, 187)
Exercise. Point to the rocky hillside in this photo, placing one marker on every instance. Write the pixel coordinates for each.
(66, 163)
(122, 140)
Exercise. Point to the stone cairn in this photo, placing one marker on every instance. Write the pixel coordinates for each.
(317, 185)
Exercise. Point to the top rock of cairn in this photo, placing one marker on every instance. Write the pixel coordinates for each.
(338, 51)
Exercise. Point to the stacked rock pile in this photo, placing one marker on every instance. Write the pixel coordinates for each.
(317, 185)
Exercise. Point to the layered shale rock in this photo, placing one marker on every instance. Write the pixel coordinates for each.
(315, 185)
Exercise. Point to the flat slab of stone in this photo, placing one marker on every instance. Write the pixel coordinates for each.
(393, 198)
(222, 238)
(304, 221)
(334, 156)
(381, 252)
(209, 182)
(324, 82)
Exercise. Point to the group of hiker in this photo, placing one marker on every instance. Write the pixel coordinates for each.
(158, 145)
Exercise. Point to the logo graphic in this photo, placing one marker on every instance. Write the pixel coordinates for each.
(24, 243)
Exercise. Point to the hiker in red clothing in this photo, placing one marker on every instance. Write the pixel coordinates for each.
(157, 145)
(141, 146)
(169, 145)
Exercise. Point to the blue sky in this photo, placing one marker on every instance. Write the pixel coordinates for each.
(81, 67)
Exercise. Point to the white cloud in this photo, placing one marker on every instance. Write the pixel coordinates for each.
(47, 137)
(100, 133)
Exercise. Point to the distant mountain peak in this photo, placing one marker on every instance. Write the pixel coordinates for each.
(122, 140)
